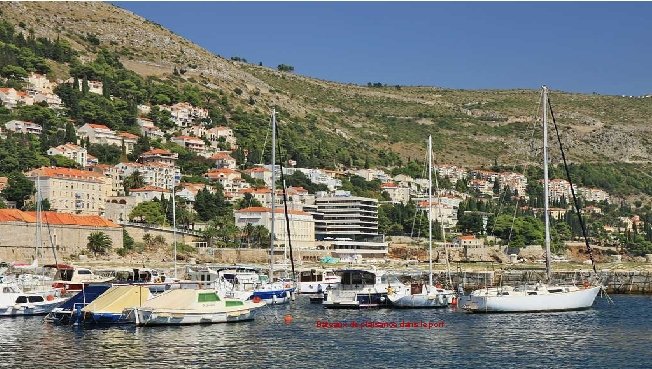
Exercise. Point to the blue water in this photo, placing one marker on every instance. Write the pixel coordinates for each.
(607, 336)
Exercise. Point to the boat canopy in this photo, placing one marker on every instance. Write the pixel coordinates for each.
(85, 296)
(182, 299)
(118, 298)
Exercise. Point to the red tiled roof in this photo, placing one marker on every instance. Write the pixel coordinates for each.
(128, 135)
(64, 172)
(221, 156)
(157, 152)
(54, 218)
(98, 126)
(149, 188)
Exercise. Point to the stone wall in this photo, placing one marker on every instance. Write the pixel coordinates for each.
(18, 240)
(137, 233)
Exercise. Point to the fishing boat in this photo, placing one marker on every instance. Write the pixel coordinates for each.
(15, 302)
(70, 312)
(424, 295)
(539, 297)
(363, 289)
(190, 306)
(109, 306)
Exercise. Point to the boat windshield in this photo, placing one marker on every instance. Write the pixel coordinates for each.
(389, 279)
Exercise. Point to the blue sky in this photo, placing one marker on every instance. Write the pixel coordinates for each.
(580, 47)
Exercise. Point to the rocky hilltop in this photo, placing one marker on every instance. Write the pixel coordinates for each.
(469, 127)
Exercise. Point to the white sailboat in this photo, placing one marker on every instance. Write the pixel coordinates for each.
(540, 297)
(424, 296)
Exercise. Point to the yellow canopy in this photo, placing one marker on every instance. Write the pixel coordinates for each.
(117, 298)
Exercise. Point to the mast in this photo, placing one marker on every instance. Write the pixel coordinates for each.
(273, 207)
(174, 227)
(38, 218)
(430, 210)
(546, 193)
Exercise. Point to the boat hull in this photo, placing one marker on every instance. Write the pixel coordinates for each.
(420, 301)
(30, 309)
(565, 301)
(357, 301)
(153, 317)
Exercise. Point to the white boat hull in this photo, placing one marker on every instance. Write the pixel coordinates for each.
(39, 308)
(150, 317)
(520, 303)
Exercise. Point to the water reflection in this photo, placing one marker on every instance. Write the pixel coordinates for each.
(606, 336)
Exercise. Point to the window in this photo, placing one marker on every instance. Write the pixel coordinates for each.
(83, 271)
(35, 298)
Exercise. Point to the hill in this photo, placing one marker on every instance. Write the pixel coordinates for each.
(333, 124)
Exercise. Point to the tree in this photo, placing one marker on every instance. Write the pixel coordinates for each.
(19, 188)
(14, 72)
(148, 212)
(211, 205)
(285, 68)
(134, 180)
(247, 201)
(99, 243)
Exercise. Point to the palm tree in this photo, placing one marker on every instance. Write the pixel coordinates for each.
(99, 243)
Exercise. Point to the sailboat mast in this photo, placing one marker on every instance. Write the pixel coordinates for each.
(273, 206)
(38, 217)
(174, 228)
(546, 192)
(430, 210)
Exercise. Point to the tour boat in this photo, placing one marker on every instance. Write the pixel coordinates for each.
(190, 306)
(15, 302)
(362, 289)
(540, 297)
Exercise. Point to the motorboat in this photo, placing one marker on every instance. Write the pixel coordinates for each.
(71, 279)
(70, 312)
(192, 306)
(15, 302)
(363, 289)
(315, 281)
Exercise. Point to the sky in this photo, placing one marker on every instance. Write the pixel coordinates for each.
(585, 47)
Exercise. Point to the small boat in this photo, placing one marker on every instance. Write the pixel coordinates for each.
(361, 289)
(70, 312)
(189, 306)
(108, 307)
(15, 302)
(71, 279)
(315, 281)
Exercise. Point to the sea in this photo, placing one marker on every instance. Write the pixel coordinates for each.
(305, 335)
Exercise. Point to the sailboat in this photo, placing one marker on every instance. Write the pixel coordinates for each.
(424, 296)
(238, 282)
(540, 297)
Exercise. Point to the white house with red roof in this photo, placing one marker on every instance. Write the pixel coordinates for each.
(11, 97)
(101, 134)
(153, 174)
(302, 225)
(230, 180)
(191, 143)
(72, 152)
(397, 193)
(148, 129)
(20, 126)
(185, 114)
(148, 193)
(261, 173)
(160, 156)
(223, 159)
